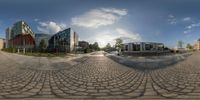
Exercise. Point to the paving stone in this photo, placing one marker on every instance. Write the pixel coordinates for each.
(92, 91)
(95, 77)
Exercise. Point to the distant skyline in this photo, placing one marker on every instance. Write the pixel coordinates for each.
(165, 21)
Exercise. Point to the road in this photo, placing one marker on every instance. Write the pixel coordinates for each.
(95, 77)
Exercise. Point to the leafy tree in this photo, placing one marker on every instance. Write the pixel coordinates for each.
(180, 44)
(188, 46)
(118, 44)
(43, 44)
(108, 46)
(95, 46)
(90, 46)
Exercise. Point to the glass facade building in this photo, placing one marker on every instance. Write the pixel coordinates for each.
(64, 41)
(20, 36)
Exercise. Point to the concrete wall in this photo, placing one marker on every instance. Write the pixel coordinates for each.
(2, 44)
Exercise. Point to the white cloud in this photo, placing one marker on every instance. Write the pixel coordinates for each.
(98, 17)
(36, 19)
(186, 31)
(106, 36)
(186, 19)
(115, 11)
(190, 27)
(172, 19)
(193, 25)
(128, 36)
(171, 16)
(50, 27)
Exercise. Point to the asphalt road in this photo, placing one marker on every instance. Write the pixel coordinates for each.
(95, 77)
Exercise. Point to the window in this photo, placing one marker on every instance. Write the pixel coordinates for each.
(147, 47)
(126, 47)
(136, 47)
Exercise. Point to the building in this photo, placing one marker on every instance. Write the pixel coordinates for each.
(8, 36)
(22, 41)
(19, 27)
(2, 43)
(83, 44)
(197, 45)
(143, 46)
(41, 36)
(20, 36)
(64, 41)
(144, 49)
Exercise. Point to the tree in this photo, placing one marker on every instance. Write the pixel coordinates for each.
(188, 46)
(90, 46)
(118, 43)
(43, 44)
(108, 46)
(180, 44)
(95, 46)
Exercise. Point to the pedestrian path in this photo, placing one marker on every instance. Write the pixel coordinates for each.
(95, 77)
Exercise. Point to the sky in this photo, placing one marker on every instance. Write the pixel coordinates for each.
(102, 21)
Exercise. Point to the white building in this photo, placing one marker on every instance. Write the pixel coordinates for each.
(143, 47)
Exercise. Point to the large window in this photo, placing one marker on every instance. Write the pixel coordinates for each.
(136, 47)
(149, 46)
(126, 47)
(160, 46)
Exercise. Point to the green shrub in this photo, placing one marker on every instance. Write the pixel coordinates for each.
(11, 50)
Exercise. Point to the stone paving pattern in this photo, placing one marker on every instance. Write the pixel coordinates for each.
(95, 77)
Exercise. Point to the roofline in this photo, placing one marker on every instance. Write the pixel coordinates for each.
(144, 42)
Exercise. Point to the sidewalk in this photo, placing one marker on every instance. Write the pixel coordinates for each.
(154, 62)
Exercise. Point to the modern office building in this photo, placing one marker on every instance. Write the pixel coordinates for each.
(64, 41)
(20, 36)
(19, 27)
(8, 36)
(41, 36)
(143, 47)
(22, 42)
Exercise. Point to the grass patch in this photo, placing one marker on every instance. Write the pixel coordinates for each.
(44, 54)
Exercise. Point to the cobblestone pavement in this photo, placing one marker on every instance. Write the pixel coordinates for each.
(95, 77)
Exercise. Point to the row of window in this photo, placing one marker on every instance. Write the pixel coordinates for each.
(148, 47)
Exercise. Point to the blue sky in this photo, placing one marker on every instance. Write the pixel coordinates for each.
(165, 21)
